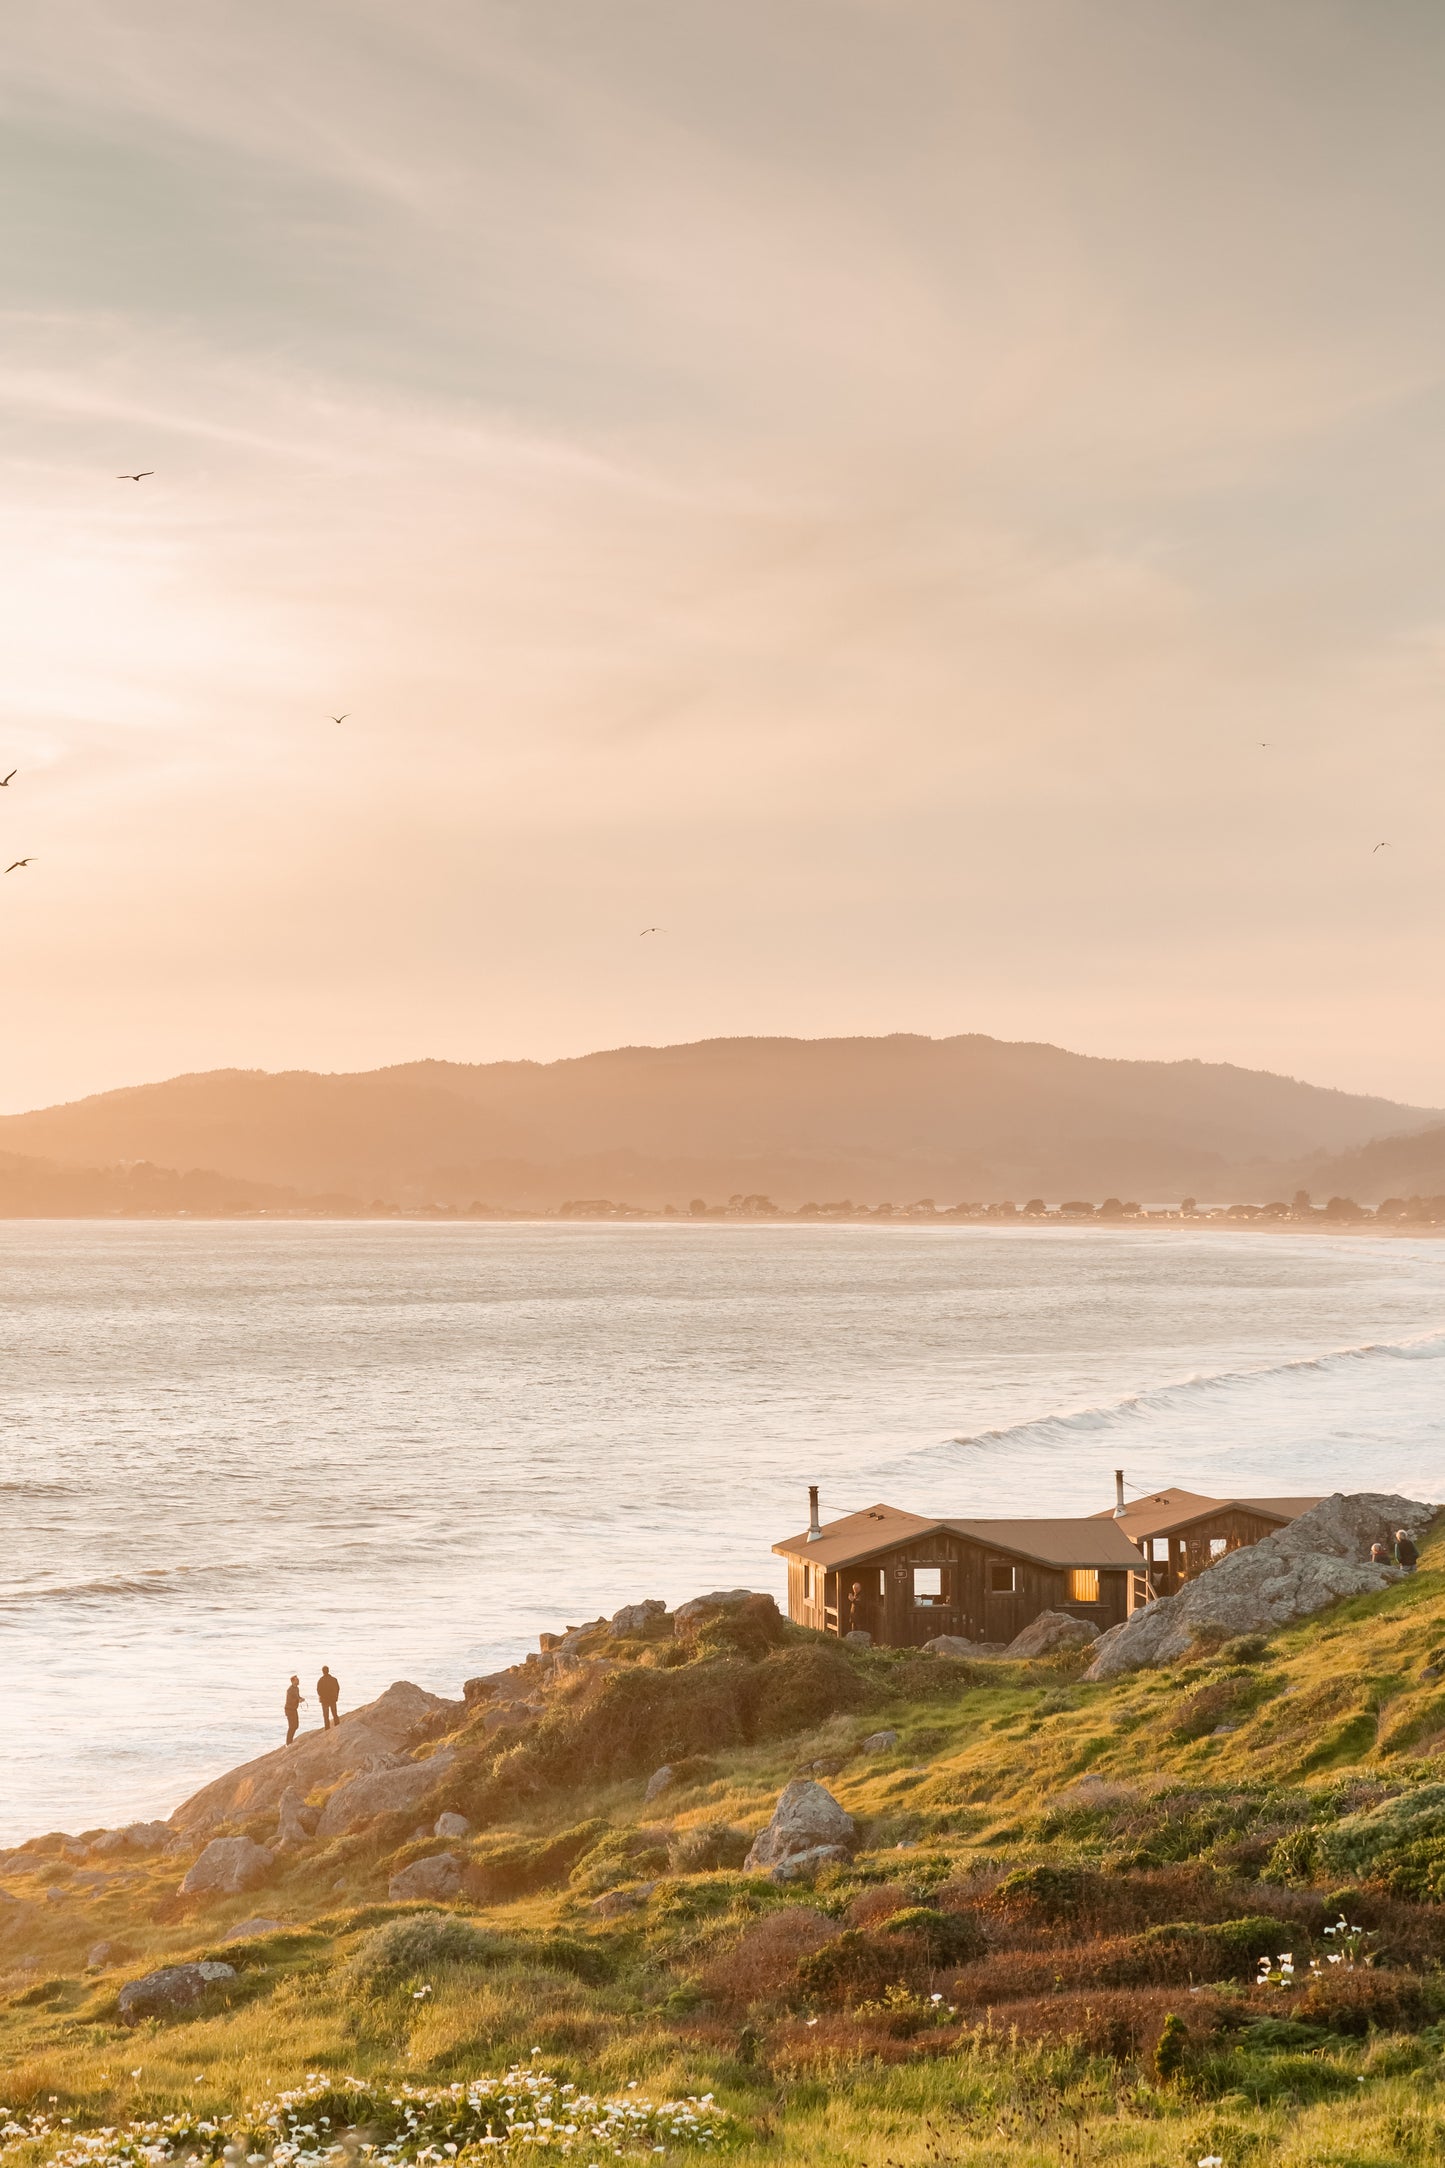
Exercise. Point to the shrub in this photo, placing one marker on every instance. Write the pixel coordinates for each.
(402, 1949)
(1220, 1702)
(1293, 1857)
(1222, 1950)
(763, 1962)
(1170, 2048)
(853, 1967)
(751, 1630)
(1244, 1649)
(585, 1959)
(623, 1855)
(515, 1870)
(1054, 1892)
(706, 1847)
(1400, 1842)
(1363, 2000)
(948, 1938)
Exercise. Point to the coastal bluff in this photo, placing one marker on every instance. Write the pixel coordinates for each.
(385, 1736)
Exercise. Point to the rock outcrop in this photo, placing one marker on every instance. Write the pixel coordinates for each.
(879, 1742)
(1313, 1562)
(393, 1790)
(438, 1876)
(689, 1617)
(247, 1930)
(402, 1718)
(952, 1645)
(295, 1821)
(226, 1867)
(806, 1817)
(648, 1617)
(135, 1837)
(802, 1866)
(1051, 1631)
(173, 1988)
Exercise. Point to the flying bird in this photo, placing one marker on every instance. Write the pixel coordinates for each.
(647, 930)
(136, 477)
(340, 718)
(6, 780)
(1380, 847)
(16, 864)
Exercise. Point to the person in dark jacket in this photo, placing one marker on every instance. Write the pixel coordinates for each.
(1406, 1554)
(1379, 1556)
(294, 1699)
(328, 1693)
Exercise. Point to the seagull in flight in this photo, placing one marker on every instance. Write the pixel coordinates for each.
(6, 780)
(1380, 847)
(340, 718)
(647, 930)
(136, 477)
(16, 864)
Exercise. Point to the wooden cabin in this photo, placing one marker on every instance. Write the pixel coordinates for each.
(1181, 1532)
(903, 1578)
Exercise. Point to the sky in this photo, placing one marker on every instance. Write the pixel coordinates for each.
(938, 508)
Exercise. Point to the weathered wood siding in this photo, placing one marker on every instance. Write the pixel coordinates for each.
(1193, 1549)
(893, 1607)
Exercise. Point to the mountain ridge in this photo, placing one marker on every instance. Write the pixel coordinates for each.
(886, 1118)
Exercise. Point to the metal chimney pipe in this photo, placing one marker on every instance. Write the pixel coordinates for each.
(1120, 1509)
(815, 1526)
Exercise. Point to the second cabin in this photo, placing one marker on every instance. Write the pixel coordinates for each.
(904, 1579)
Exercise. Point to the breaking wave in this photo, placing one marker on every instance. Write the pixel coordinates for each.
(1063, 1424)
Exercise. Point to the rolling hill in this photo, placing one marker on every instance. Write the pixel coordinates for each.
(893, 1118)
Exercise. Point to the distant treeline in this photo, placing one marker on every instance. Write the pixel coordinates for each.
(1422, 1211)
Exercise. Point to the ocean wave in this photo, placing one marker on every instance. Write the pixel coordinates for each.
(1119, 1414)
(162, 1583)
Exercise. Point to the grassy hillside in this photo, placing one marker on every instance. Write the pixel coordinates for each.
(1048, 1874)
(887, 1119)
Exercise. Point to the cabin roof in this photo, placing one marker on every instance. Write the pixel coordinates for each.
(1167, 1511)
(1060, 1542)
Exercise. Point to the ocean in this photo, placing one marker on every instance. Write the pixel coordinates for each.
(231, 1451)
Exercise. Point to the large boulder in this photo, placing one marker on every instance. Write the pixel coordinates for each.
(392, 1790)
(173, 1988)
(226, 1867)
(295, 1821)
(806, 1816)
(402, 1718)
(1051, 1631)
(1300, 1569)
(135, 1837)
(953, 1645)
(803, 1866)
(639, 1618)
(438, 1876)
(689, 1618)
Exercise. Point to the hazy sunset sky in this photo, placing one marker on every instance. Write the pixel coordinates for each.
(849, 484)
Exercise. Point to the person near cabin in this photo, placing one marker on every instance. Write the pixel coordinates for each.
(294, 1699)
(328, 1693)
(1406, 1554)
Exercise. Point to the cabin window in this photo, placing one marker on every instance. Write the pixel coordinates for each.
(1084, 1584)
(1159, 1550)
(883, 1580)
(928, 1584)
(1001, 1578)
(1218, 1545)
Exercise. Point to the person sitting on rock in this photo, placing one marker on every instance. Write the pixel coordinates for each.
(1406, 1554)
(294, 1699)
(1379, 1556)
(328, 1693)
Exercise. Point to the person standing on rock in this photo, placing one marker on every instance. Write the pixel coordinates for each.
(1406, 1554)
(328, 1693)
(294, 1699)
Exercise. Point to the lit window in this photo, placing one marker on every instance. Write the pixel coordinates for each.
(1084, 1585)
(1159, 1550)
(1001, 1580)
(1218, 1545)
(928, 1584)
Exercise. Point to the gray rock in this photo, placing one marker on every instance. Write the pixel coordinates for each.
(438, 1876)
(616, 1901)
(135, 1837)
(1052, 1630)
(859, 1637)
(805, 1817)
(639, 1618)
(295, 1821)
(226, 1867)
(1300, 1569)
(688, 1617)
(878, 1742)
(802, 1866)
(451, 1825)
(951, 1645)
(98, 1956)
(173, 1988)
(475, 1691)
(657, 1783)
(246, 1930)
(381, 1791)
